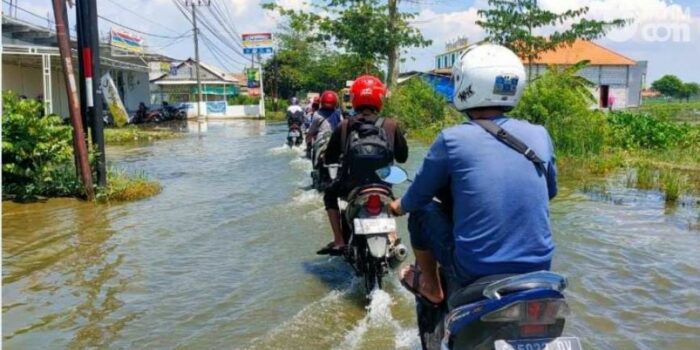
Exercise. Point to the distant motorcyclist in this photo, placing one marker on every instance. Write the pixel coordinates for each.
(295, 114)
(367, 95)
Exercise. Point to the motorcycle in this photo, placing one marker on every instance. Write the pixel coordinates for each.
(367, 224)
(294, 136)
(168, 112)
(501, 312)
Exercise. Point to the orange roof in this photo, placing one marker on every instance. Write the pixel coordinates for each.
(583, 50)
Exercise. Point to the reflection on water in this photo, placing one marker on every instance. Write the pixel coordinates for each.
(224, 258)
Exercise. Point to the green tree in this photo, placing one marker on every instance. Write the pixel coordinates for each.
(373, 30)
(668, 85)
(513, 23)
(688, 90)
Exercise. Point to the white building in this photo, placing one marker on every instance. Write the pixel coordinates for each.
(31, 67)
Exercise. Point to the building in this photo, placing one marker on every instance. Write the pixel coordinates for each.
(454, 50)
(179, 86)
(31, 66)
(618, 79)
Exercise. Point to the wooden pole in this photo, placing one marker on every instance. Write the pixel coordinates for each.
(79, 144)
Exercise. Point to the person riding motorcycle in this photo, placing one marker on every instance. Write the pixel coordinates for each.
(494, 215)
(367, 94)
(295, 114)
(326, 119)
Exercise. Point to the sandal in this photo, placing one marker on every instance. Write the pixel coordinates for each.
(414, 287)
(331, 250)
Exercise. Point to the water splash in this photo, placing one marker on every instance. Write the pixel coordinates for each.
(307, 197)
(284, 149)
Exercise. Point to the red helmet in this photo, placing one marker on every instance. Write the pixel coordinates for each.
(367, 91)
(329, 100)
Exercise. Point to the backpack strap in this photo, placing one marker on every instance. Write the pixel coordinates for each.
(511, 141)
(344, 134)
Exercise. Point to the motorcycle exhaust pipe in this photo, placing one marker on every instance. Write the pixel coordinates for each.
(400, 252)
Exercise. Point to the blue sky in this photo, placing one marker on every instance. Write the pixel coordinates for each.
(665, 33)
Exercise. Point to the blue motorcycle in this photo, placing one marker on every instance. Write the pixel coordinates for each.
(501, 312)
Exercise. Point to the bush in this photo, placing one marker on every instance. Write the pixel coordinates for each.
(37, 152)
(243, 100)
(419, 108)
(640, 130)
(565, 111)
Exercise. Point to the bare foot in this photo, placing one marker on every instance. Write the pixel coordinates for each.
(428, 289)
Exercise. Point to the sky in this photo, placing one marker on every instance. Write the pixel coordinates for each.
(665, 33)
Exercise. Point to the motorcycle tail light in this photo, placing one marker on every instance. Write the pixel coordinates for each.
(534, 312)
(374, 204)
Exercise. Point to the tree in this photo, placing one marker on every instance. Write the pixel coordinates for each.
(688, 90)
(303, 64)
(668, 85)
(512, 23)
(370, 29)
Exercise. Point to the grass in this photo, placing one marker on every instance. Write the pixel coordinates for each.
(278, 116)
(135, 134)
(124, 187)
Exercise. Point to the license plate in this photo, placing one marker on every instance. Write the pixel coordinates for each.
(374, 226)
(561, 343)
(294, 134)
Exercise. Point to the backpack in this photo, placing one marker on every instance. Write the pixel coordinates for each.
(367, 148)
(296, 117)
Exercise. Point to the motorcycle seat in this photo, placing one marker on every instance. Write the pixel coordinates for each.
(474, 291)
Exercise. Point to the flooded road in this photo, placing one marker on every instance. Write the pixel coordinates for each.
(225, 257)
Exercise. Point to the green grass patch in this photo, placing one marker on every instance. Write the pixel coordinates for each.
(278, 116)
(124, 187)
(135, 134)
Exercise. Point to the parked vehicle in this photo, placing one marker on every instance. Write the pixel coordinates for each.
(501, 312)
(367, 224)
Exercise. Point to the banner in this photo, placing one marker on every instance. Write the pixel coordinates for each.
(253, 76)
(216, 107)
(255, 40)
(126, 41)
(114, 102)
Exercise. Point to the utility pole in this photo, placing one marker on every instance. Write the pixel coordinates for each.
(91, 92)
(194, 4)
(392, 74)
(79, 144)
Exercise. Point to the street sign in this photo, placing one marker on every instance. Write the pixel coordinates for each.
(256, 50)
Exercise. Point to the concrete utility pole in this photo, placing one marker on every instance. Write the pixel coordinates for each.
(194, 4)
(79, 144)
(392, 74)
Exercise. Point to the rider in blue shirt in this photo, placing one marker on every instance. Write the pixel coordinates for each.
(494, 215)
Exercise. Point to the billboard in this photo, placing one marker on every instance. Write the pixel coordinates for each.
(255, 43)
(253, 77)
(125, 41)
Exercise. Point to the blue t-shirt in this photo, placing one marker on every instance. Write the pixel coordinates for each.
(501, 201)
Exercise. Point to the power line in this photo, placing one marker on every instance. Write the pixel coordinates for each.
(142, 32)
(141, 16)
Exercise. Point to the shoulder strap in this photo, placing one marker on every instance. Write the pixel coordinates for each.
(511, 141)
(344, 134)
(379, 123)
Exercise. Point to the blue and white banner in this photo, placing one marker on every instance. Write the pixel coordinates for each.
(216, 107)
(252, 50)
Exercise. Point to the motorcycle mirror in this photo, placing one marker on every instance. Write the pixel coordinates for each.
(392, 175)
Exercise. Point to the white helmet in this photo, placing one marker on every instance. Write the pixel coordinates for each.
(488, 75)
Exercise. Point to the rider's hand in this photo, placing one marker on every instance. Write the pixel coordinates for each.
(395, 207)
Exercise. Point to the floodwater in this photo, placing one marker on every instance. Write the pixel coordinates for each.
(224, 258)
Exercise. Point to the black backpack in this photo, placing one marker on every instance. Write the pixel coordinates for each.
(367, 149)
(295, 118)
